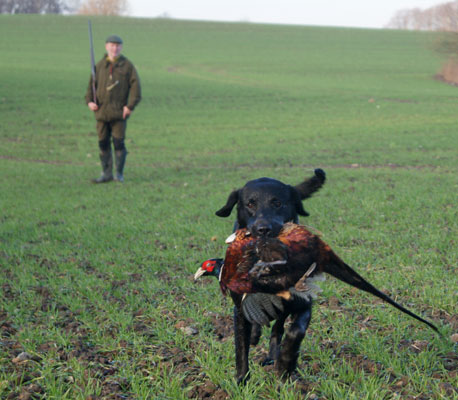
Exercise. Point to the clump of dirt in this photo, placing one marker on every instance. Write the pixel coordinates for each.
(8, 291)
(31, 391)
(207, 390)
(222, 326)
(46, 297)
(416, 346)
(7, 328)
(446, 318)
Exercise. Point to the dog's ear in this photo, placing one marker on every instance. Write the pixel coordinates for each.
(230, 203)
(296, 197)
(311, 185)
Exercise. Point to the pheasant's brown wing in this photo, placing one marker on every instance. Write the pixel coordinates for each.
(261, 308)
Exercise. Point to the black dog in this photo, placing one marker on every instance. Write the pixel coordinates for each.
(263, 206)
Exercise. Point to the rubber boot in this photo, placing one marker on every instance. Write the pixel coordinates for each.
(120, 160)
(106, 160)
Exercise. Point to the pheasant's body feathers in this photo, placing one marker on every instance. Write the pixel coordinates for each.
(238, 257)
(269, 265)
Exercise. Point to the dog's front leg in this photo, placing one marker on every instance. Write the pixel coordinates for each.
(242, 333)
(289, 351)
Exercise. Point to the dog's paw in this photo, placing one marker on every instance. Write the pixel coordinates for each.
(243, 379)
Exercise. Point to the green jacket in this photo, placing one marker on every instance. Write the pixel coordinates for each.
(117, 85)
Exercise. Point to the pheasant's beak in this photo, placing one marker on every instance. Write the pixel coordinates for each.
(199, 273)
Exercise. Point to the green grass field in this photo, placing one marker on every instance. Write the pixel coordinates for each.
(96, 281)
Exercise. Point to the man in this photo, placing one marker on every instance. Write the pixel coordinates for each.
(117, 93)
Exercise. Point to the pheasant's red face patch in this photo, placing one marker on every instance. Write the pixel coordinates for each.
(208, 265)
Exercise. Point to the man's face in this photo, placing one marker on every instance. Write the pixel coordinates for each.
(113, 50)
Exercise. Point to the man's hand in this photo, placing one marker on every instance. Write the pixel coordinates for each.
(126, 112)
(92, 106)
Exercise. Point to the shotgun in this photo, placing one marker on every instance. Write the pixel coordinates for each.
(94, 98)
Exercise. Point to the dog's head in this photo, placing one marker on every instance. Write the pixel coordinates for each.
(263, 206)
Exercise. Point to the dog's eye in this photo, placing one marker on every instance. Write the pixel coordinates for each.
(251, 204)
(276, 203)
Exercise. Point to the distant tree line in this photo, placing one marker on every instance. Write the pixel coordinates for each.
(86, 7)
(443, 17)
(104, 7)
(32, 6)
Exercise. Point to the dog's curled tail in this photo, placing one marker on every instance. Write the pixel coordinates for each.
(311, 185)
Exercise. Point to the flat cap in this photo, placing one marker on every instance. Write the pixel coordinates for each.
(113, 39)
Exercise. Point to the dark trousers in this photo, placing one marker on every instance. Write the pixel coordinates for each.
(111, 129)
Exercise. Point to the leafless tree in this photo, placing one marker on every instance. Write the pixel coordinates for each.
(32, 6)
(404, 19)
(447, 17)
(443, 17)
(104, 7)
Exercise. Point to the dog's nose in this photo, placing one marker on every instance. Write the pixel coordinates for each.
(263, 230)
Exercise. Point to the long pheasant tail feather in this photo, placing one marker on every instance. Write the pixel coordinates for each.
(338, 269)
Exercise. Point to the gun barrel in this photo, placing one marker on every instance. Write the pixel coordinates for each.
(91, 46)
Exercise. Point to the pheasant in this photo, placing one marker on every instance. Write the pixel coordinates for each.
(261, 308)
(283, 267)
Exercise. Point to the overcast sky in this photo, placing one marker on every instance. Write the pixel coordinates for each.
(352, 13)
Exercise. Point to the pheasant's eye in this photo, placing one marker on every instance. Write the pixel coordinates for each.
(208, 265)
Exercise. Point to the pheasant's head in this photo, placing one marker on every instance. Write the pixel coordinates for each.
(210, 267)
